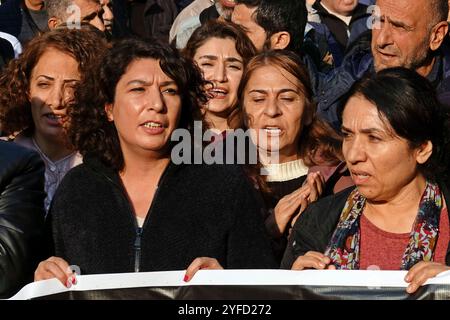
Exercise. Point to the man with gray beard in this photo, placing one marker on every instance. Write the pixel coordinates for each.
(405, 33)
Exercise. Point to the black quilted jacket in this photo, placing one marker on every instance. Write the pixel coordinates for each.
(21, 215)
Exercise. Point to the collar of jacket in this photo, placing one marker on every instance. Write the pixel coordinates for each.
(360, 11)
(106, 172)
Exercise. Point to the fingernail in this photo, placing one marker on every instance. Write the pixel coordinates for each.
(322, 264)
(68, 283)
(74, 280)
(186, 278)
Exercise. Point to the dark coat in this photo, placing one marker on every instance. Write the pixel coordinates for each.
(197, 210)
(336, 31)
(315, 227)
(10, 17)
(21, 215)
(153, 18)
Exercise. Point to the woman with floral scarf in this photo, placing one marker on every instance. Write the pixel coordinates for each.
(396, 217)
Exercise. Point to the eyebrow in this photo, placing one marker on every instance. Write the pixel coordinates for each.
(90, 16)
(50, 78)
(263, 91)
(366, 131)
(397, 23)
(146, 83)
(229, 59)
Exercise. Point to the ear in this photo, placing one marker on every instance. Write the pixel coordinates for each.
(109, 111)
(438, 34)
(280, 40)
(423, 152)
(52, 23)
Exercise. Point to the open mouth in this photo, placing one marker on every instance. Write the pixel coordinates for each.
(228, 3)
(272, 130)
(360, 176)
(152, 125)
(218, 93)
(56, 119)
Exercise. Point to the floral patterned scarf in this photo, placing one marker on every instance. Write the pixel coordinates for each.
(344, 245)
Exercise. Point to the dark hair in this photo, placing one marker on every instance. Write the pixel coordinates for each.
(221, 30)
(407, 103)
(319, 145)
(281, 15)
(439, 10)
(15, 110)
(283, 59)
(318, 138)
(91, 132)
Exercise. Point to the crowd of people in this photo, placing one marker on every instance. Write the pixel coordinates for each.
(344, 103)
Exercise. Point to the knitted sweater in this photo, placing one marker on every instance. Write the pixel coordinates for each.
(198, 210)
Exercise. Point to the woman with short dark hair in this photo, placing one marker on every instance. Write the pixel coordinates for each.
(396, 218)
(128, 207)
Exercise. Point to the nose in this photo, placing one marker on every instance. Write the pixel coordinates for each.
(107, 13)
(220, 72)
(56, 98)
(98, 23)
(272, 108)
(155, 100)
(354, 150)
(383, 37)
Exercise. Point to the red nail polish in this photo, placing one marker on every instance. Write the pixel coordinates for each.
(186, 278)
(74, 280)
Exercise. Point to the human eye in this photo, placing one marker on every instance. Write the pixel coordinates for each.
(43, 84)
(206, 64)
(374, 138)
(137, 89)
(237, 67)
(258, 99)
(170, 91)
(287, 98)
(345, 134)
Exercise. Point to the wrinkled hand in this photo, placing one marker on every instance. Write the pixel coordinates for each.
(295, 203)
(55, 267)
(421, 272)
(313, 260)
(201, 263)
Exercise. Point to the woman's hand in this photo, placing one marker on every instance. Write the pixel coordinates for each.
(294, 204)
(313, 260)
(55, 267)
(201, 263)
(421, 272)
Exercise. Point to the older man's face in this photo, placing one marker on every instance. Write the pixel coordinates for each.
(402, 38)
(91, 12)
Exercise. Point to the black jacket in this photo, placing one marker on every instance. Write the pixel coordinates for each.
(314, 228)
(197, 210)
(152, 18)
(21, 215)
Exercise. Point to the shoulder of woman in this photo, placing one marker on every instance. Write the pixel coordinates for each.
(325, 211)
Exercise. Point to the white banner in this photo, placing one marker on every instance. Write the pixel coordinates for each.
(365, 279)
